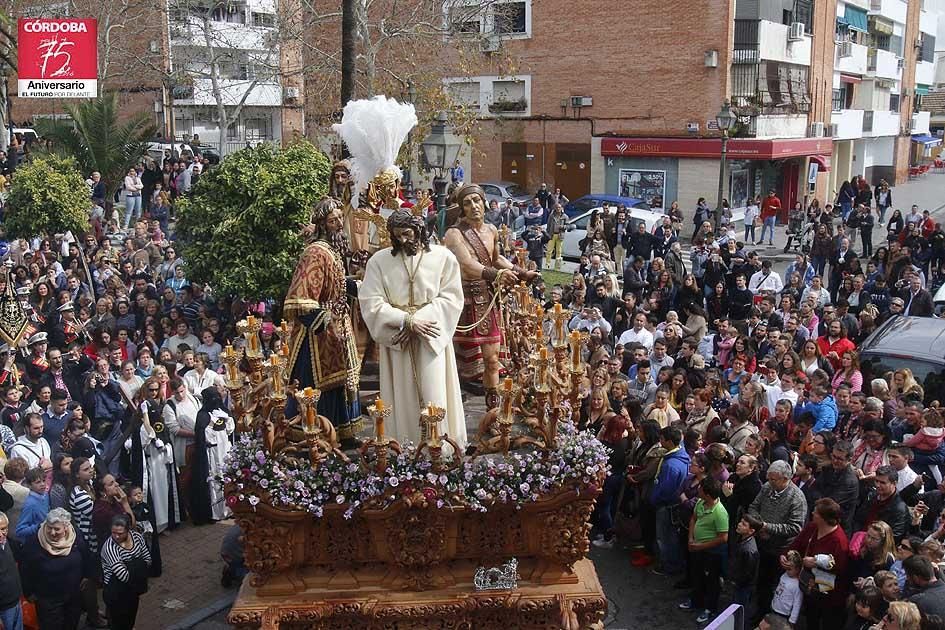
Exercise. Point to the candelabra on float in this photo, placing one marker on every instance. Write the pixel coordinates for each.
(431, 442)
(249, 328)
(380, 444)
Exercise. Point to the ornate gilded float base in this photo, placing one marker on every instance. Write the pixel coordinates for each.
(532, 606)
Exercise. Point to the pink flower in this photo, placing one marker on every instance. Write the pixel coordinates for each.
(232, 501)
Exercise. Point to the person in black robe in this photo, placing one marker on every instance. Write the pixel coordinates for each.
(201, 512)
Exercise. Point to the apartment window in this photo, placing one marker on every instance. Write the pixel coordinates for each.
(233, 132)
(465, 93)
(264, 20)
(258, 128)
(228, 13)
(465, 19)
(509, 18)
(894, 100)
(838, 100)
(803, 11)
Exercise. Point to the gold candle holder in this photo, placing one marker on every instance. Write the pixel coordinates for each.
(276, 371)
(308, 400)
(231, 358)
(379, 413)
(430, 418)
(249, 328)
(559, 316)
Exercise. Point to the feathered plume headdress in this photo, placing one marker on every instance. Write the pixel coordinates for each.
(374, 129)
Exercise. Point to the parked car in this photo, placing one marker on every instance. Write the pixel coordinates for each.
(577, 228)
(917, 343)
(28, 134)
(157, 149)
(588, 202)
(938, 299)
(501, 191)
(211, 153)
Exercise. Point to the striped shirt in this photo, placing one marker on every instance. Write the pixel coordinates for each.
(115, 558)
(80, 506)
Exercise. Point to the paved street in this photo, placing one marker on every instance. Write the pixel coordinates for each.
(189, 594)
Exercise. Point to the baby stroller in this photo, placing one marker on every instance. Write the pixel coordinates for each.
(800, 233)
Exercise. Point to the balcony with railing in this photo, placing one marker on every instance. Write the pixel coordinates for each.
(851, 58)
(850, 123)
(878, 123)
(920, 122)
(895, 10)
(883, 64)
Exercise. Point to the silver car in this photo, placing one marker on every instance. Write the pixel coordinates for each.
(502, 191)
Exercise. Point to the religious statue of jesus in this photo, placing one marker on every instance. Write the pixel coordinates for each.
(475, 244)
(411, 300)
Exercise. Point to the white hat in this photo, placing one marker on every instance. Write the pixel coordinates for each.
(39, 337)
(68, 306)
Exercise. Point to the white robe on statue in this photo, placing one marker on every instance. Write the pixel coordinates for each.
(438, 288)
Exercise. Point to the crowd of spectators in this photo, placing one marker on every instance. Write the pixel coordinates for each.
(109, 405)
(749, 447)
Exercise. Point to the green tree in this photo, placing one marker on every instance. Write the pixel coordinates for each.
(240, 227)
(98, 141)
(47, 196)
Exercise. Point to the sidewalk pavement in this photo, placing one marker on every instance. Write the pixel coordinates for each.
(189, 589)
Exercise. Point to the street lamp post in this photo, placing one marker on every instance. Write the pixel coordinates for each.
(440, 149)
(725, 119)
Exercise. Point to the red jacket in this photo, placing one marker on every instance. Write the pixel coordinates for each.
(770, 207)
(834, 544)
(840, 346)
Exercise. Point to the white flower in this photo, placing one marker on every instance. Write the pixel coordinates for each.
(340, 499)
(393, 482)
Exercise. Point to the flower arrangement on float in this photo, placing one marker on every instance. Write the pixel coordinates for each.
(579, 463)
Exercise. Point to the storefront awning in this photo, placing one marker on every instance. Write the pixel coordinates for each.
(921, 90)
(738, 148)
(850, 78)
(856, 19)
(822, 162)
(929, 141)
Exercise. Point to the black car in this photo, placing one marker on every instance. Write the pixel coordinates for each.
(211, 153)
(917, 343)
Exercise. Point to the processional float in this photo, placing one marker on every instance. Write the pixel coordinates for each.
(419, 536)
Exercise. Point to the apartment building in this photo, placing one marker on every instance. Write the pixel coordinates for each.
(242, 40)
(622, 98)
(885, 63)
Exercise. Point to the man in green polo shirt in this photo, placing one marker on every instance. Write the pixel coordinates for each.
(708, 535)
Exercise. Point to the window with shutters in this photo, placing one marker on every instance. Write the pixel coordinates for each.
(927, 52)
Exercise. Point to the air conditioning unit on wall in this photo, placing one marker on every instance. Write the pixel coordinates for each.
(832, 130)
(581, 101)
(291, 93)
(796, 33)
(817, 130)
(489, 44)
(846, 49)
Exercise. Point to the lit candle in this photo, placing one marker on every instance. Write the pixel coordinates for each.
(379, 420)
(274, 360)
(284, 327)
(228, 352)
(543, 354)
(575, 349)
(539, 333)
(285, 350)
(507, 399)
(309, 394)
(253, 339)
